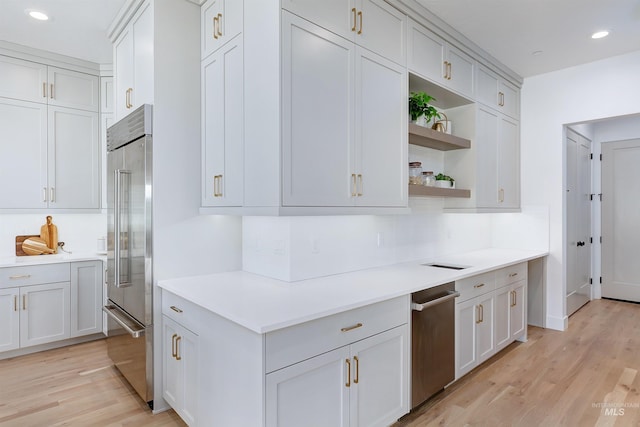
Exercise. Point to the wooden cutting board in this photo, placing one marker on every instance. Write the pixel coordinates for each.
(31, 245)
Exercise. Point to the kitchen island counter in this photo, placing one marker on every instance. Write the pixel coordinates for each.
(263, 304)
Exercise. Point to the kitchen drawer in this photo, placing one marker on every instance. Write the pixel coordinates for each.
(11, 277)
(290, 345)
(508, 275)
(184, 312)
(475, 285)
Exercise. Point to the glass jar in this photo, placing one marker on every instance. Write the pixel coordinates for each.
(415, 173)
(428, 179)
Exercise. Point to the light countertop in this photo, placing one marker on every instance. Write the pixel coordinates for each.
(17, 261)
(262, 304)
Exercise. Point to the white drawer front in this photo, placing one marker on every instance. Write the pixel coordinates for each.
(475, 285)
(287, 346)
(182, 311)
(508, 275)
(11, 277)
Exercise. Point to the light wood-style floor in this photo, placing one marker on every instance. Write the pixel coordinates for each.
(555, 379)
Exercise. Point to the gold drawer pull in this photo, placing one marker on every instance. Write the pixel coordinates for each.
(21, 276)
(351, 328)
(478, 286)
(176, 309)
(513, 274)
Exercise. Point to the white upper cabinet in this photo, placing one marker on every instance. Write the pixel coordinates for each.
(221, 22)
(133, 62)
(347, 147)
(372, 24)
(222, 126)
(432, 58)
(31, 81)
(497, 93)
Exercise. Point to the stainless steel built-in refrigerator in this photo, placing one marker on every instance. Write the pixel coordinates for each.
(129, 258)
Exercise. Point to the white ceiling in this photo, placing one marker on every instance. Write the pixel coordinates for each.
(76, 28)
(510, 30)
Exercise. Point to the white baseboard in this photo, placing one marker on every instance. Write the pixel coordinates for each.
(557, 323)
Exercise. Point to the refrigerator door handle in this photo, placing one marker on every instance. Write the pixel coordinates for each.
(131, 326)
(117, 225)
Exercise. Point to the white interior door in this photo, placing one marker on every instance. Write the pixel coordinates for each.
(578, 221)
(620, 231)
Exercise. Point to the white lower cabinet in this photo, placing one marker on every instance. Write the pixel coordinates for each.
(41, 304)
(180, 369)
(490, 315)
(362, 384)
(44, 316)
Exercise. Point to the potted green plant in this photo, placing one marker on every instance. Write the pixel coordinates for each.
(444, 181)
(420, 110)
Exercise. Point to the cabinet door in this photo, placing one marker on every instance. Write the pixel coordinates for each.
(24, 80)
(509, 99)
(107, 95)
(508, 160)
(461, 71)
(379, 391)
(503, 301)
(222, 132)
(317, 117)
(518, 309)
(487, 87)
(23, 154)
(426, 53)
(179, 368)
(337, 16)
(310, 393)
(74, 159)
(9, 319)
(73, 89)
(465, 337)
(381, 131)
(143, 43)
(486, 151)
(86, 298)
(45, 313)
(221, 21)
(123, 85)
(381, 29)
(485, 344)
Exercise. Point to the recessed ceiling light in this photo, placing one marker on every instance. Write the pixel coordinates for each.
(36, 14)
(599, 34)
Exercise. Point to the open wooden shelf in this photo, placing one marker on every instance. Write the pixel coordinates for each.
(421, 190)
(427, 137)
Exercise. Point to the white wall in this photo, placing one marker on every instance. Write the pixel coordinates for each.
(79, 232)
(597, 90)
(297, 248)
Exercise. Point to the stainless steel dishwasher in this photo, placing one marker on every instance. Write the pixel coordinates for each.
(432, 341)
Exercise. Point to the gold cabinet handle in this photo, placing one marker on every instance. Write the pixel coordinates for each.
(355, 380)
(478, 286)
(19, 276)
(501, 99)
(353, 10)
(477, 314)
(360, 16)
(52, 192)
(348, 362)
(173, 346)
(501, 195)
(481, 313)
(178, 348)
(514, 301)
(449, 70)
(354, 186)
(24, 302)
(360, 186)
(15, 303)
(217, 186)
(44, 89)
(44, 194)
(351, 328)
(176, 309)
(127, 101)
(215, 31)
(219, 25)
(51, 91)
(446, 70)
(513, 274)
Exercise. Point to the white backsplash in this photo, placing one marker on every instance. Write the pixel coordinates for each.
(298, 248)
(79, 232)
